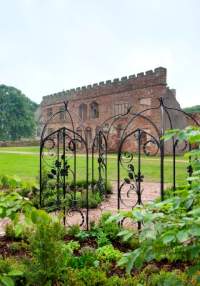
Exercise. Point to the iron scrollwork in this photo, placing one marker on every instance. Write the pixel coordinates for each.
(58, 158)
(59, 172)
(99, 151)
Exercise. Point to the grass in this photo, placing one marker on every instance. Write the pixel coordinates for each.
(26, 166)
(34, 149)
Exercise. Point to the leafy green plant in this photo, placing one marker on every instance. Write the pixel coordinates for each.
(108, 253)
(87, 258)
(82, 235)
(47, 248)
(11, 204)
(102, 239)
(12, 183)
(91, 276)
(73, 230)
(15, 247)
(51, 202)
(168, 278)
(111, 229)
(171, 228)
(8, 274)
(72, 246)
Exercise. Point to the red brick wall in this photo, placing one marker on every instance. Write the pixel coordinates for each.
(141, 92)
(196, 116)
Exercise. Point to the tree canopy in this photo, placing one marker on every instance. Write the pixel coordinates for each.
(16, 114)
(192, 109)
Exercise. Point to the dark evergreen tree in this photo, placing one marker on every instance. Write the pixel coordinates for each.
(192, 109)
(16, 114)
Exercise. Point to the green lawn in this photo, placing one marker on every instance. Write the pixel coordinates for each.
(26, 166)
(34, 149)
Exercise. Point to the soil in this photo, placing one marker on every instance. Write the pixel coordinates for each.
(113, 269)
(6, 249)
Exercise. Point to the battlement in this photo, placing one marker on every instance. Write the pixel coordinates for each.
(158, 76)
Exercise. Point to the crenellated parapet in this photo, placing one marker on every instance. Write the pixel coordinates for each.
(157, 76)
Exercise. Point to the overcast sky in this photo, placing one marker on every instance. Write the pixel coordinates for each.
(48, 46)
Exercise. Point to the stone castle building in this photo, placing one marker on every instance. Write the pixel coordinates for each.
(91, 105)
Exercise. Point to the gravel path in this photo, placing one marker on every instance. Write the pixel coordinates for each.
(150, 192)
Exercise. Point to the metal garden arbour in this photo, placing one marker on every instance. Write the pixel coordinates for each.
(59, 170)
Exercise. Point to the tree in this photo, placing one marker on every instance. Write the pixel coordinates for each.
(192, 109)
(16, 114)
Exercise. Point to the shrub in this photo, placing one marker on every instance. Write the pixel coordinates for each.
(18, 231)
(94, 199)
(118, 281)
(10, 182)
(10, 273)
(91, 277)
(15, 247)
(48, 250)
(102, 239)
(111, 229)
(4, 266)
(168, 279)
(73, 230)
(87, 258)
(108, 253)
(10, 231)
(52, 203)
(72, 246)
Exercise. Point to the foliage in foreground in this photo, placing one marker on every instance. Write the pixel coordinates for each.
(30, 190)
(171, 229)
(166, 251)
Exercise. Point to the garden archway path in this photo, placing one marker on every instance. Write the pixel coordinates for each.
(150, 192)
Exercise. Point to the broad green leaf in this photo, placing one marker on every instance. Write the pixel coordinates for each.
(7, 281)
(183, 235)
(15, 273)
(18, 229)
(189, 203)
(168, 237)
(118, 217)
(34, 216)
(137, 214)
(195, 230)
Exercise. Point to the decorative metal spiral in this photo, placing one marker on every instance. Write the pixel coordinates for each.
(58, 157)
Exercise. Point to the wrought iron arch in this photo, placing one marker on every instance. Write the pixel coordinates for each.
(59, 171)
(58, 155)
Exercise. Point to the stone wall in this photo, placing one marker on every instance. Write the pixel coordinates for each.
(141, 91)
(20, 143)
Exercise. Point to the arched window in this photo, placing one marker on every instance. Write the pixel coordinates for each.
(88, 135)
(80, 132)
(94, 110)
(121, 108)
(62, 113)
(83, 111)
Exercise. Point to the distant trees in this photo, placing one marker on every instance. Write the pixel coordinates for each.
(192, 109)
(16, 114)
